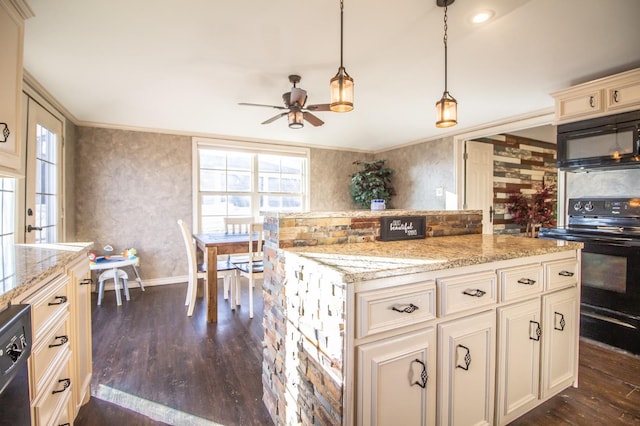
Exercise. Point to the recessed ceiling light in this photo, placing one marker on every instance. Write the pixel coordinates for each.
(482, 16)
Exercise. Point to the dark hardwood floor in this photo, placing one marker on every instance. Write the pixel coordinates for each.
(149, 357)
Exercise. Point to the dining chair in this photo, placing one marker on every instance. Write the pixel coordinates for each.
(237, 224)
(253, 269)
(226, 270)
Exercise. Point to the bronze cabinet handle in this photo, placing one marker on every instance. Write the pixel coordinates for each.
(60, 301)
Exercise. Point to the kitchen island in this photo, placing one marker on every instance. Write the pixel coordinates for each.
(413, 332)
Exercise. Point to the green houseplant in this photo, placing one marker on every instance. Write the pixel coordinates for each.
(371, 182)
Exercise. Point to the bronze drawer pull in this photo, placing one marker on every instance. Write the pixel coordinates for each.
(467, 358)
(592, 103)
(86, 281)
(63, 340)
(474, 292)
(409, 309)
(566, 273)
(559, 325)
(537, 331)
(60, 300)
(5, 132)
(424, 378)
(65, 385)
(526, 281)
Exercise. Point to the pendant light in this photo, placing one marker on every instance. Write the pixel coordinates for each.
(447, 106)
(341, 84)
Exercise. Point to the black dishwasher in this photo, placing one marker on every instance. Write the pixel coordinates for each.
(15, 348)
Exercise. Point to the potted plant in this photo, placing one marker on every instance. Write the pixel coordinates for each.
(372, 182)
(535, 211)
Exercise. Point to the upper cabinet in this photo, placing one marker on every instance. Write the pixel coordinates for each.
(609, 95)
(12, 16)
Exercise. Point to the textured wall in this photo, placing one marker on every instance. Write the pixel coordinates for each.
(131, 188)
(330, 178)
(70, 181)
(419, 170)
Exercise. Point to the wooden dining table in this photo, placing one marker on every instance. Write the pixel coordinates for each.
(211, 245)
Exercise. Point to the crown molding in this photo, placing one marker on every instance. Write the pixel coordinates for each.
(22, 8)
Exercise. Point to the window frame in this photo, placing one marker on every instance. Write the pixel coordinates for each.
(252, 148)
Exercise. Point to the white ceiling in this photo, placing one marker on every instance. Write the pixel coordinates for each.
(183, 66)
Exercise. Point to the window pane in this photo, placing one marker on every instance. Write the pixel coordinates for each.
(214, 205)
(239, 161)
(213, 180)
(239, 205)
(239, 181)
(212, 159)
(291, 184)
(268, 163)
(292, 165)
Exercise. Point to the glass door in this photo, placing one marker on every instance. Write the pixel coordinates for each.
(43, 198)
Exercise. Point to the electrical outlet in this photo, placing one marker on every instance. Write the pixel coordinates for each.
(439, 192)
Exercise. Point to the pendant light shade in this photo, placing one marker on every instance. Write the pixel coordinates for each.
(447, 106)
(342, 83)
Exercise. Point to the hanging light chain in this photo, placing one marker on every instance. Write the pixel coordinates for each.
(341, 30)
(444, 40)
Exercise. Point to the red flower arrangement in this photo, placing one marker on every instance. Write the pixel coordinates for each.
(537, 210)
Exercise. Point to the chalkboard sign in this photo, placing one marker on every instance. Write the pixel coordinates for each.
(394, 228)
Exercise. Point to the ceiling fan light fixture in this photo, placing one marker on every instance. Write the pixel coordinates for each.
(342, 84)
(295, 119)
(447, 106)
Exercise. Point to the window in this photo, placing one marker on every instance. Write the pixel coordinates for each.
(247, 180)
(7, 234)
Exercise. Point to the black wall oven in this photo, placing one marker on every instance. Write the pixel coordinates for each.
(610, 274)
(610, 306)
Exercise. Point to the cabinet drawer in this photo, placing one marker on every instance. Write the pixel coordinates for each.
(47, 353)
(55, 395)
(520, 282)
(47, 304)
(464, 292)
(562, 273)
(387, 309)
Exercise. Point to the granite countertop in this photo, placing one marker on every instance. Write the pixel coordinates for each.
(26, 265)
(368, 213)
(366, 261)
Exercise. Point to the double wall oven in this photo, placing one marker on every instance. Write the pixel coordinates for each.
(610, 299)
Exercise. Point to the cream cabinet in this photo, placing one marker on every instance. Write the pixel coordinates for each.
(397, 380)
(80, 277)
(50, 365)
(12, 16)
(466, 370)
(538, 343)
(561, 313)
(609, 95)
(60, 362)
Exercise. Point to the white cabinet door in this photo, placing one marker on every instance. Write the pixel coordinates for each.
(466, 367)
(559, 340)
(518, 359)
(396, 380)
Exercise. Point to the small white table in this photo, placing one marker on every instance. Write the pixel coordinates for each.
(116, 262)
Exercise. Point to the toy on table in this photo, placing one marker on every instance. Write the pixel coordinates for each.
(129, 253)
(107, 251)
(92, 256)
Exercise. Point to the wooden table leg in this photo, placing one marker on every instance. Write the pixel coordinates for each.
(211, 289)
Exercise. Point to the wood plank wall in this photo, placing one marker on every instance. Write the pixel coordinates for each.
(519, 166)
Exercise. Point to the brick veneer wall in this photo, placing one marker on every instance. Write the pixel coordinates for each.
(302, 371)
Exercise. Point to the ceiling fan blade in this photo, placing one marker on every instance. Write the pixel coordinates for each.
(312, 119)
(319, 107)
(298, 96)
(274, 118)
(261, 105)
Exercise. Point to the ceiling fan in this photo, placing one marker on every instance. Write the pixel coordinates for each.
(294, 103)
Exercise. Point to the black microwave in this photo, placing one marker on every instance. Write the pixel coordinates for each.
(602, 143)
